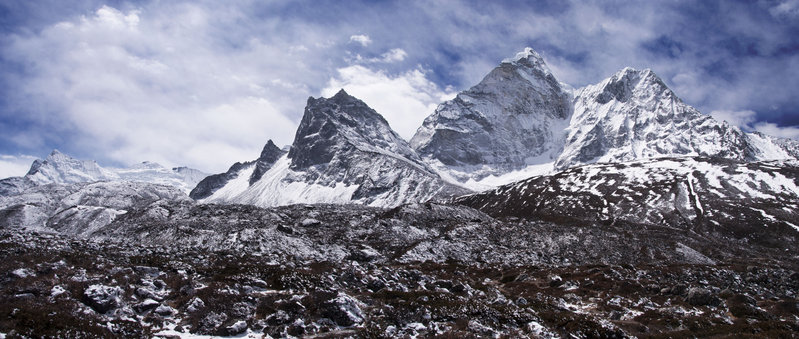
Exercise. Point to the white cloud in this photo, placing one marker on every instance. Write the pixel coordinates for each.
(362, 39)
(404, 99)
(394, 55)
(768, 128)
(166, 80)
(742, 119)
(160, 85)
(15, 165)
(747, 120)
(786, 8)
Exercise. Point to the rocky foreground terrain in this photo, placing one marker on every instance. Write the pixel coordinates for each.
(421, 270)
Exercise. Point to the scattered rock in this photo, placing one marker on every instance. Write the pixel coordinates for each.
(679, 289)
(102, 298)
(698, 296)
(146, 305)
(237, 328)
(343, 310)
(164, 310)
(195, 305)
(555, 281)
(211, 322)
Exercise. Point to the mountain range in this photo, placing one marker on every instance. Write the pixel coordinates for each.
(521, 208)
(518, 122)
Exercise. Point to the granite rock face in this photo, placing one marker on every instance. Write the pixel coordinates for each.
(513, 118)
(343, 152)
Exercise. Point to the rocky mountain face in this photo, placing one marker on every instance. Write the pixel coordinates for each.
(631, 115)
(184, 178)
(81, 208)
(343, 152)
(513, 118)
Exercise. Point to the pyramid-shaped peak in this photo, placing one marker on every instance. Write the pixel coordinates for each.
(270, 144)
(342, 94)
(338, 122)
(634, 77)
(342, 107)
(56, 154)
(270, 152)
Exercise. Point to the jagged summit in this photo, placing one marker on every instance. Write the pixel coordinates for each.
(520, 121)
(343, 152)
(269, 155)
(340, 124)
(634, 115)
(251, 171)
(621, 85)
(528, 59)
(513, 118)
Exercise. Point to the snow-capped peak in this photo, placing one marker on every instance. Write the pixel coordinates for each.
(621, 85)
(61, 168)
(147, 165)
(529, 63)
(519, 118)
(525, 56)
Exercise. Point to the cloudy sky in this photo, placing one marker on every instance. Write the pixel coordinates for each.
(207, 83)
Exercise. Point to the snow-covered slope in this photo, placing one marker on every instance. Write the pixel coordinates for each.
(184, 178)
(515, 117)
(634, 115)
(245, 174)
(59, 168)
(343, 152)
(756, 200)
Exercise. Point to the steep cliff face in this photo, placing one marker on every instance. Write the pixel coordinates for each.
(634, 115)
(513, 118)
(343, 152)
